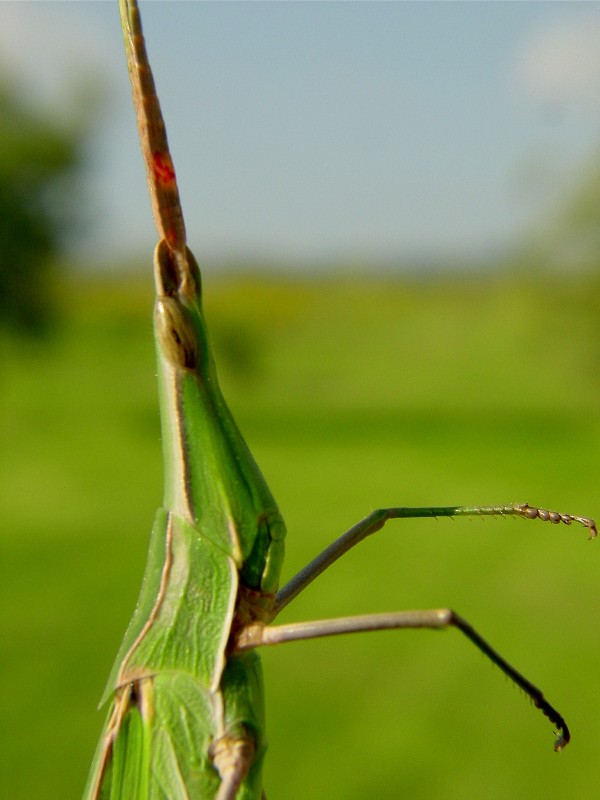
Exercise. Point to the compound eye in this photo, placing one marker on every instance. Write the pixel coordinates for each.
(175, 332)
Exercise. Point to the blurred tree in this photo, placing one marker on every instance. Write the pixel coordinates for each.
(580, 220)
(38, 164)
(568, 238)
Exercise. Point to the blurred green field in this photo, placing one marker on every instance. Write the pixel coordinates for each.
(352, 395)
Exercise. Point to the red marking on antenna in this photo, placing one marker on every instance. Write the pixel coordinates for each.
(164, 172)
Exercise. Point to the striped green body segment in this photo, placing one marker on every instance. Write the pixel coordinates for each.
(185, 712)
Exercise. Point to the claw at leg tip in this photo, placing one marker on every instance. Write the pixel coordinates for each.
(561, 742)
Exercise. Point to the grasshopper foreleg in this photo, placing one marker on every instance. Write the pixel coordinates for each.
(260, 633)
(377, 519)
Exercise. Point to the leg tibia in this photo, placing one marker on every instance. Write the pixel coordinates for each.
(257, 635)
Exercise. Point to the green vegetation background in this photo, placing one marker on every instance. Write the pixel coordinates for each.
(353, 394)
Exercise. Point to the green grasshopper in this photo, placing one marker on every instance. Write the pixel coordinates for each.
(187, 711)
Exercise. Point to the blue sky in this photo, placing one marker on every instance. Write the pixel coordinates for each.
(320, 131)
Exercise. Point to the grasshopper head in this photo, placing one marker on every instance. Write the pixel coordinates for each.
(179, 323)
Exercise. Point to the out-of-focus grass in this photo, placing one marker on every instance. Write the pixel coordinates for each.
(352, 395)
